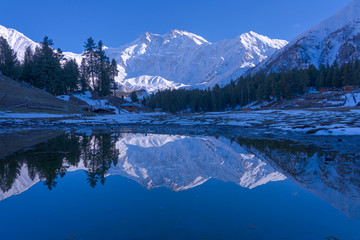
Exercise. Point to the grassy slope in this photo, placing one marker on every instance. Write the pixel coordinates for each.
(18, 97)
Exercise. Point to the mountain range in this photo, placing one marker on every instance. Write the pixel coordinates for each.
(182, 59)
(176, 59)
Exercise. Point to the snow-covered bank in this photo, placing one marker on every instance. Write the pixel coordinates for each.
(319, 122)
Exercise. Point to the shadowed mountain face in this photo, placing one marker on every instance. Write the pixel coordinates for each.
(336, 39)
(180, 163)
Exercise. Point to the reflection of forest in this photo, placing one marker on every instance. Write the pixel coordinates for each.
(49, 160)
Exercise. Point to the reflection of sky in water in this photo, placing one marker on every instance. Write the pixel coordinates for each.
(211, 209)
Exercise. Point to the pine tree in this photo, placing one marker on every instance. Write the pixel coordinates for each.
(47, 70)
(103, 71)
(84, 76)
(134, 97)
(71, 76)
(90, 56)
(113, 74)
(27, 66)
(9, 65)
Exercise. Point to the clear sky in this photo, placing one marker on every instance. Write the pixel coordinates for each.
(70, 22)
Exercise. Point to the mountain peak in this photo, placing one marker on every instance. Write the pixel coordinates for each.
(17, 41)
(175, 33)
(251, 38)
(346, 15)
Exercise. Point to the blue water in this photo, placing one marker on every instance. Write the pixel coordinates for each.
(124, 209)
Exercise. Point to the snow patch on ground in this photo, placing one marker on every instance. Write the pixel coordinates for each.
(352, 99)
(64, 97)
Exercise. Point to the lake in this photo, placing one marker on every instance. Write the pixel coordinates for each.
(85, 185)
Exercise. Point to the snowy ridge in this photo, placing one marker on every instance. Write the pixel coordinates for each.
(334, 39)
(17, 41)
(150, 83)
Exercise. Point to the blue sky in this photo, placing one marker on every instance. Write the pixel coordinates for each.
(70, 22)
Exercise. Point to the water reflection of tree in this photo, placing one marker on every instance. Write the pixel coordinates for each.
(50, 160)
(99, 154)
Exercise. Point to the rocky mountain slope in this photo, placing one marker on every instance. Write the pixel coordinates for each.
(335, 39)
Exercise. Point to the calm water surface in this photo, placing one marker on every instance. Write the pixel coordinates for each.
(139, 186)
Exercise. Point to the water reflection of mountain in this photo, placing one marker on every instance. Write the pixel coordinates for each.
(331, 176)
(180, 163)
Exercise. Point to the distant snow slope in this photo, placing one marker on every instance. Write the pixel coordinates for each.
(176, 59)
(335, 39)
(19, 42)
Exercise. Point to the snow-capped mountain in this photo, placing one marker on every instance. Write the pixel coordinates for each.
(182, 59)
(335, 39)
(17, 41)
(176, 59)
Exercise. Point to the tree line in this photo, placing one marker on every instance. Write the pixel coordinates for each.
(48, 69)
(257, 88)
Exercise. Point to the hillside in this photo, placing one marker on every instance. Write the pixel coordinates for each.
(23, 97)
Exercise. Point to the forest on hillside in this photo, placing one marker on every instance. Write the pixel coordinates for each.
(260, 87)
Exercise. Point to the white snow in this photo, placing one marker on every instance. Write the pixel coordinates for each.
(352, 99)
(64, 97)
(150, 83)
(182, 59)
(17, 41)
(100, 103)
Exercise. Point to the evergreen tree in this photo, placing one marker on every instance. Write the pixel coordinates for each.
(27, 66)
(134, 97)
(84, 76)
(9, 65)
(90, 56)
(47, 70)
(114, 72)
(103, 85)
(71, 76)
